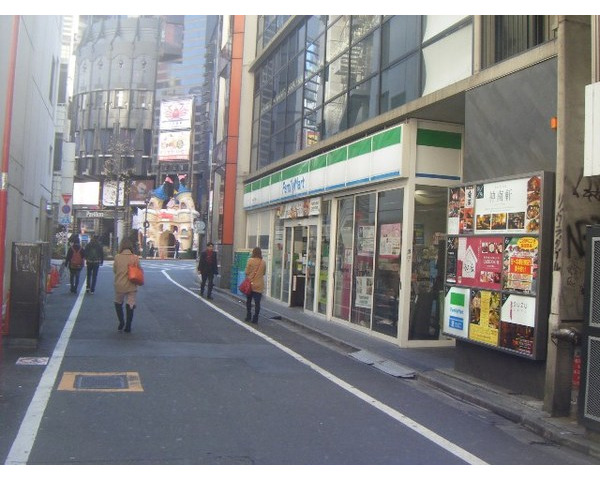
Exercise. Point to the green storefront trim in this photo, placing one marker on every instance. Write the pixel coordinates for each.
(359, 148)
(387, 138)
(437, 138)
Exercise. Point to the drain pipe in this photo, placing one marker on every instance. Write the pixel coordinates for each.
(10, 91)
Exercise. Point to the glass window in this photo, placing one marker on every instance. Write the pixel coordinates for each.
(294, 106)
(362, 25)
(428, 259)
(277, 260)
(313, 125)
(315, 26)
(324, 262)
(364, 59)
(295, 75)
(400, 36)
(362, 103)
(386, 290)
(313, 91)
(292, 138)
(343, 259)
(277, 146)
(399, 84)
(336, 77)
(315, 54)
(338, 37)
(334, 116)
(364, 259)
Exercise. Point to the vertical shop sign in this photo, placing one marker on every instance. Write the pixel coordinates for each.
(457, 308)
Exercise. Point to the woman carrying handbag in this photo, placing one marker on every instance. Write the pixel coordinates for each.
(255, 271)
(125, 289)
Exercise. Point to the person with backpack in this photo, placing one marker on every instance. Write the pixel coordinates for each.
(94, 257)
(74, 261)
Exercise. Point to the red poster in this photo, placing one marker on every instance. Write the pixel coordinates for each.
(479, 262)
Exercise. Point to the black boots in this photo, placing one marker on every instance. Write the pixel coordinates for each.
(122, 321)
(129, 317)
(119, 310)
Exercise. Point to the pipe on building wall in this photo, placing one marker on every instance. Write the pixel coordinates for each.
(10, 91)
(233, 127)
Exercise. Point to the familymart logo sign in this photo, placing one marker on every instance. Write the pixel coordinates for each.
(456, 313)
(294, 186)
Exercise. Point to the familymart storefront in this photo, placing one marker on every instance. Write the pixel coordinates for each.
(357, 234)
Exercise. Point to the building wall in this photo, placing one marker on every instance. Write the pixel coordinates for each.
(507, 124)
(32, 127)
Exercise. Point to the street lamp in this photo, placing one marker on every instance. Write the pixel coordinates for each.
(146, 225)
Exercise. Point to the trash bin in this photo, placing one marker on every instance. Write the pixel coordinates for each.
(29, 269)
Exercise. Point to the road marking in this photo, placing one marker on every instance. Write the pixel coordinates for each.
(396, 415)
(21, 447)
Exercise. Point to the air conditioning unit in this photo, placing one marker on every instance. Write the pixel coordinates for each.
(589, 396)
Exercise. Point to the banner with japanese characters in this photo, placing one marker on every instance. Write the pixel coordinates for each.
(494, 260)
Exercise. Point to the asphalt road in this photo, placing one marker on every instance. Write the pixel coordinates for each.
(193, 384)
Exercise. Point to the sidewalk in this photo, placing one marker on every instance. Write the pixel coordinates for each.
(434, 366)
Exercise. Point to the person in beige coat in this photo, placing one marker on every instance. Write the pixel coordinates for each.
(125, 291)
(255, 270)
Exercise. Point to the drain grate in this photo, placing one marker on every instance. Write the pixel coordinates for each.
(101, 382)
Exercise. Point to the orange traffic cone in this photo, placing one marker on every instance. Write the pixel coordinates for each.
(55, 276)
(48, 283)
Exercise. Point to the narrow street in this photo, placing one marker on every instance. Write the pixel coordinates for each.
(193, 384)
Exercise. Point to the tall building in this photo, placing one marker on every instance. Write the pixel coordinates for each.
(391, 166)
(112, 111)
(187, 78)
(29, 85)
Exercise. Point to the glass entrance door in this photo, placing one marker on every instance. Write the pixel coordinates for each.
(311, 266)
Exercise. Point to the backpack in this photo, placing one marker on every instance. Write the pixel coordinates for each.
(76, 261)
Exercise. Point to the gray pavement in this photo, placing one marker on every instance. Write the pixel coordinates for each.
(434, 366)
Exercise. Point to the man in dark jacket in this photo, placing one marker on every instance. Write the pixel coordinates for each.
(94, 257)
(207, 266)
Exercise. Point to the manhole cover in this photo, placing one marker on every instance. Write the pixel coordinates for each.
(101, 382)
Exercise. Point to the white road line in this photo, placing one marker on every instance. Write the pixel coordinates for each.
(23, 443)
(396, 415)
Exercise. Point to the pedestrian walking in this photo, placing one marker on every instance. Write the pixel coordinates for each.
(208, 268)
(255, 271)
(125, 291)
(94, 257)
(74, 260)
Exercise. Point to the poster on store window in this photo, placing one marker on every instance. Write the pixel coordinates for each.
(366, 240)
(479, 262)
(461, 210)
(390, 240)
(484, 316)
(520, 264)
(517, 326)
(364, 292)
(451, 259)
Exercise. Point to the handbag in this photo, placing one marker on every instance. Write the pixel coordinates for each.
(246, 286)
(135, 274)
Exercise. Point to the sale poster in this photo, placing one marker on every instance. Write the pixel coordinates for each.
(520, 264)
(484, 321)
(390, 241)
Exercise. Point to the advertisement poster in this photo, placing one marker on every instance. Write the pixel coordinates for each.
(484, 321)
(173, 146)
(479, 262)
(390, 240)
(176, 114)
(510, 206)
(521, 264)
(451, 259)
(456, 312)
(366, 240)
(364, 292)
(453, 210)
(518, 322)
